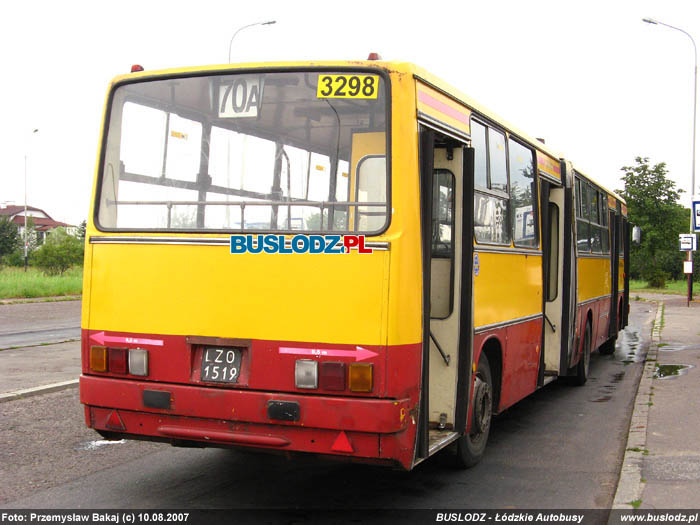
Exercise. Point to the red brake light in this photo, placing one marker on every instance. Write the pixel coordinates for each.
(117, 360)
(332, 376)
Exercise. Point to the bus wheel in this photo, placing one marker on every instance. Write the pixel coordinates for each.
(608, 347)
(585, 361)
(470, 447)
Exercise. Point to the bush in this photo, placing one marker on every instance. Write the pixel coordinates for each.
(58, 253)
(657, 278)
(16, 258)
(9, 237)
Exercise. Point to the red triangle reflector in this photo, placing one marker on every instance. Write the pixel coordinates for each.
(342, 443)
(114, 422)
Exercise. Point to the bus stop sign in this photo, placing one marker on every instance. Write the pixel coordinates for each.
(696, 216)
(688, 242)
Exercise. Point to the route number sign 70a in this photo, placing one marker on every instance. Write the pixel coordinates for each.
(241, 97)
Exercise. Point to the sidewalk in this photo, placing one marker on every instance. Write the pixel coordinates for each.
(668, 459)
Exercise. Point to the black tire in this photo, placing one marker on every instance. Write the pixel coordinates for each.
(608, 347)
(584, 363)
(471, 447)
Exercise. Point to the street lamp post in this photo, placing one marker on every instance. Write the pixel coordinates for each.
(26, 154)
(269, 22)
(692, 167)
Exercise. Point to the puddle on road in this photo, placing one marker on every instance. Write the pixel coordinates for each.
(629, 347)
(671, 371)
(97, 443)
(605, 392)
(675, 347)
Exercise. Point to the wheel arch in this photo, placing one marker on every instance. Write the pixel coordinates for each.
(493, 349)
(586, 319)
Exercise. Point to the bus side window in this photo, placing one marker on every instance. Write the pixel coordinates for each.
(491, 219)
(490, 209)
(497, 161)
(479, 145)
(371, 187)
(582, 226)
(605, 227)
(523, 195)
(596, 242)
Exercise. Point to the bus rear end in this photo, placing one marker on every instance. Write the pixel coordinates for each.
(275, 338)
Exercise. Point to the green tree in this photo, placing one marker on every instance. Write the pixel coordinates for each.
(58, 253)
(32, 240)
(652, 204)
(81, 230)
(9, 237)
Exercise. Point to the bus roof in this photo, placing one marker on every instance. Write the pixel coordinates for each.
(389, 66)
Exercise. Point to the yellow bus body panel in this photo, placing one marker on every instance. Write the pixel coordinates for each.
(508, 287)
(205, 290)
(594, 278)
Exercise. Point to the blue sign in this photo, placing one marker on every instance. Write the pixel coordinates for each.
(696, 216)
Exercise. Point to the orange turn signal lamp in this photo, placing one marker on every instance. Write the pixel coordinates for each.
(360, 377)
(98, 359)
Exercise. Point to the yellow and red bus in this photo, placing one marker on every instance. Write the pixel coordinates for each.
(348, 259)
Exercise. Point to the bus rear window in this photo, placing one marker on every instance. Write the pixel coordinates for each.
(255, 152)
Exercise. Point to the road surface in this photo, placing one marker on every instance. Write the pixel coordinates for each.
(28, 324)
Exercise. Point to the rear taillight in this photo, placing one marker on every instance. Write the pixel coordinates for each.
(306, 373)
(98, 358)
(138, 361)
(117, 360)
(360, 377)
(332, 376)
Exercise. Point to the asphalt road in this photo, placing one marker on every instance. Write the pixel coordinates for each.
(28, 324)
(560, 448)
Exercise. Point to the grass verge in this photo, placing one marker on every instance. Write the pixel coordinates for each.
(672, 287)
(14, 282)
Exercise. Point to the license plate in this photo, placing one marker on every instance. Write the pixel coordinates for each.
(221, 365)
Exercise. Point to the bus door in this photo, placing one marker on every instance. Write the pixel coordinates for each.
(447, 225)
(553, 243)
(568, 268)
(625, 232)
(615, 228)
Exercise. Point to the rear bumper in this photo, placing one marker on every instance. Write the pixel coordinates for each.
(356, 427)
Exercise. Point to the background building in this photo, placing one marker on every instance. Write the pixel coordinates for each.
(43, 222)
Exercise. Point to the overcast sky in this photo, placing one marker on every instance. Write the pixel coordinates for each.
(589, 76)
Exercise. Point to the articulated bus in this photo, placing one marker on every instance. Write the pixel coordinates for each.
(347, 259)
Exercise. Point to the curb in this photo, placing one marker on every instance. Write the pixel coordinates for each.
(3, 348)
(34, 391)
(629, 487)
(47, 299)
